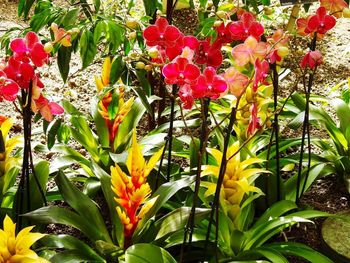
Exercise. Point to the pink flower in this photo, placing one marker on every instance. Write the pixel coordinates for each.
(254, 120)
(249, 51)
(29, 49)
(47, 109)
(161, 33)
(186, 96)
(207, 54)
(237, 82)
(8, 88)
(261, 72)
(321, 22)
(224, 35)
(209, 84)
(311, 60)
(180, 72)
(20, 72)
(245, 27)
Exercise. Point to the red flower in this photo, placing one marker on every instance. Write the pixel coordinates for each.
(29, 49)
(261, 72)
(209, 85)
(20, 72)
(180, 72)
(311, 60)
(186, 96)
(8, 88)
(181, 43)
(161, 33)
(223, 35)
(207, 54)
(321, 22)
(47, 109)
(247, 26)
(254, 120)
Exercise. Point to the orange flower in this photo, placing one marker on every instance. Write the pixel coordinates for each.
(133, 191)
(335, 7)
(114, 117)
(249, 51)
(61, 35)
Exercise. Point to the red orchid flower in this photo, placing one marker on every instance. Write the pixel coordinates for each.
(321, 22)
(224, 35)
(261, 72)
(207, 54)
(180, 72)
(335, 7)
(29, 49)
(254, 120)
(237, 82)
(20, 72)
(161, 33)
(8, 88)
(249, 51)
(182, 42)
(245, 27)
(209, 84)
(186, 96)
(311, 60)
(47, 109)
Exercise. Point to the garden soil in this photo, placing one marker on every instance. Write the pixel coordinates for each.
(328, 194)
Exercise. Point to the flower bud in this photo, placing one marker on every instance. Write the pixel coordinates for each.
(268, 10)
(221, 14)
(48, 47)
(140, 65)
(148, 67)
(153, 52)
(131, 23)
(346, 12)
(283, 51)
(217, 23)
(132, 35)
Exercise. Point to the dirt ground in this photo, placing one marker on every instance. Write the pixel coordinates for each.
(326, 195)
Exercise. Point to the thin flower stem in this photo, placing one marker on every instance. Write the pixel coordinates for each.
(276, 127)
(170, 133)
(188, 233)
(305, 127)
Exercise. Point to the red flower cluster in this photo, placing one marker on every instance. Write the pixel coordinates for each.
(19, 73)
(181, 56)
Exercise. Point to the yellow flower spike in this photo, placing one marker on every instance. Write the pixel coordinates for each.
(17, 249)
(134, 199)
(106, 71)
(99, 83)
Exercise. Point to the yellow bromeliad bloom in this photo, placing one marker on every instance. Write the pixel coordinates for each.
(114, 118)
(6, 146)
(133, 191)
(103, 80)
(16, 249)
(238, 179)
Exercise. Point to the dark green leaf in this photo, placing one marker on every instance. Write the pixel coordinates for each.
(88, 48)
(147, 253)
(63, 59)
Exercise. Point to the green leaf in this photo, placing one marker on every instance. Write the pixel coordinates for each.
(70, 109)
(70, 243)
(117, 68)
(147, 253)
(51, 135)
(70, 18)
(39, 181)
(84, 206)
(100, 28)
(115, 35)
(270, 254)
(163, 194)
(64, 55)
(299, 250)
(177, 219)
(88, 48)
(100, 123)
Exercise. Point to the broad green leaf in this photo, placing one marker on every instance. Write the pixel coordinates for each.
(83, 205)
(270, 254)
(117, 68)
(147, 253)
(299, 250)
(70, 18)
(64, 55)
(52, 132)
(38, 181)
(88, 48)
